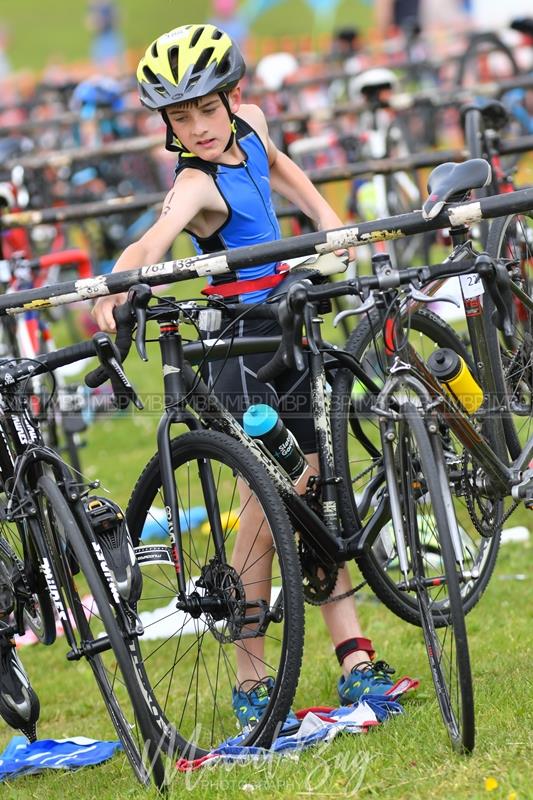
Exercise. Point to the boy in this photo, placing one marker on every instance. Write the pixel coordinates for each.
(226, 169)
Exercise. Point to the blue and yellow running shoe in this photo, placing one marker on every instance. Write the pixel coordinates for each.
(367, 678)
(249, 705)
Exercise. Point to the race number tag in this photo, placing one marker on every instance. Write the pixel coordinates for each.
(471, 285)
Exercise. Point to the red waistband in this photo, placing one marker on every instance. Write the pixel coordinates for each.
(245, 287)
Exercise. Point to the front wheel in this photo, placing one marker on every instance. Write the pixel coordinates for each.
(358, 460)
(27, 584)
(511, 238)
(241, 619)
(414, 466)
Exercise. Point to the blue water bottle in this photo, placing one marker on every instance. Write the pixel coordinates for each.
(263, 422)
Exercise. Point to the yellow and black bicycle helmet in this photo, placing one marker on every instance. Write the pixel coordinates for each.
(187, 63)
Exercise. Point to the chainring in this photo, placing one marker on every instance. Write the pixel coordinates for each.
(484, 511)
(319, 581)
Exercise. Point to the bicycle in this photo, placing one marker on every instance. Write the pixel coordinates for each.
(510, 238)
(321, 541)
(205, 604)
(384, 134)
(31, 335)
(486, 58)
(50, 551)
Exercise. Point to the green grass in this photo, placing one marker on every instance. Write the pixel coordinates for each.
(55, 32)
(409, 757)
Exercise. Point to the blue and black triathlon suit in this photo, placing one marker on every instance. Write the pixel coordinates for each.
(245, 189)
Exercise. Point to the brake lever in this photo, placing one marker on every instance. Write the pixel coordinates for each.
(295, 309)
(367, 305)
(496, 281)
(139, 296)
(308, 318)
(420, 297)
(110, 361)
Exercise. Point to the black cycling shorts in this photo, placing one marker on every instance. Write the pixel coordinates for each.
(235, 383)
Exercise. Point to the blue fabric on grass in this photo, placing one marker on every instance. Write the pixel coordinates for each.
(22, 758)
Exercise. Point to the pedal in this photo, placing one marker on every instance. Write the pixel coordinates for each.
(524, 490)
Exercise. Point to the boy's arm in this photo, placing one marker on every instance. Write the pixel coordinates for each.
(188, 197)
(289, 180)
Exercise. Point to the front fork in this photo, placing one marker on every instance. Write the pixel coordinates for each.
(389, 412)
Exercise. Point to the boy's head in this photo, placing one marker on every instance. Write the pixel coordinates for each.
(186, 64)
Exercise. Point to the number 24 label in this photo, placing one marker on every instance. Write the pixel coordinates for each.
(472, 285)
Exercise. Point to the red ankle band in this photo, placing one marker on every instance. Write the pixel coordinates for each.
(352, 645)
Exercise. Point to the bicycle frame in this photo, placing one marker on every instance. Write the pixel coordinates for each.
(21, 465)
(183, 388)
(408, 366)
(501, 476)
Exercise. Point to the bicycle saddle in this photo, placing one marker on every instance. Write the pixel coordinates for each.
(523, 25)
(453, 182)
(494, 113)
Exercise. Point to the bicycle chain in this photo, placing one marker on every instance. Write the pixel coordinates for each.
(484, 525)
(318, 580)
(344, 595)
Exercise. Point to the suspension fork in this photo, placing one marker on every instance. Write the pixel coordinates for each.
(387, 417)
(170, 494)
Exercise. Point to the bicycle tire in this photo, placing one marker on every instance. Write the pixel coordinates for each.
(512, 238)
(404, 194)
(115, 671)
(199, 724)
(474, 66)
(357, 462)
(17, 552)
(414, 459)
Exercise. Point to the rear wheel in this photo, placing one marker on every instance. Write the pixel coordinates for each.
(242, 615)
(102, 639)
(487, 59)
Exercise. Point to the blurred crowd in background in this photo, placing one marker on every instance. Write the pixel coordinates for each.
(384, 23)
(309, 86)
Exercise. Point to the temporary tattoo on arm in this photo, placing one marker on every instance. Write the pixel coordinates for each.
(166, 207)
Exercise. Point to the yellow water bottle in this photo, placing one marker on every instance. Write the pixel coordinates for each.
(451, 370)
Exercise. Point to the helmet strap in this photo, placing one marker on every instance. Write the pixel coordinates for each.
(232, 135)
(225, 102)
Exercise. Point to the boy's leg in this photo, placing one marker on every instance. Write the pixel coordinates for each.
(252, 558)
(342, 622)
(340, 617)
(253, 543)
